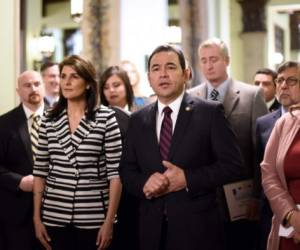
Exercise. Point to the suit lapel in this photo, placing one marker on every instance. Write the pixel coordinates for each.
(62, 131)
(184, 115)
(82, 131)
(150, 131)
(23, 132)
(277, 114)
(202, 91)
(231, 98)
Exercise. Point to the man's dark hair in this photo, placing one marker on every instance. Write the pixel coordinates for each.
(269, 72)
(287, 65)
(168, 48)
(47, 65)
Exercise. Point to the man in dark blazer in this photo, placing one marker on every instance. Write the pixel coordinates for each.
(51, 78)
(287, 95)
(16, 162)
(243, 104)
(177, 190)
(265, 78)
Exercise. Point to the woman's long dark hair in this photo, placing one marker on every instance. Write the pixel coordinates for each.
(122, 74)
(88, 73)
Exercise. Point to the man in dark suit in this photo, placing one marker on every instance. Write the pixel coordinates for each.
(265, 78)
(177, 151)
(16, 162)
(288, 94)
(50, 75)
(243, 104)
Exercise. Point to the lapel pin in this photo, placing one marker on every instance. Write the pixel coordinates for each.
(188, 108)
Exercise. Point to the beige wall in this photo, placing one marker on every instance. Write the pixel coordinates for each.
(9, 51)
(58, 17)
(236, 45)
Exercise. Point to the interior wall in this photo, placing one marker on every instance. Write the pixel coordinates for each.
(57, 18)
(9, 51)
(282, 21)
(235, 42)
(143, 25)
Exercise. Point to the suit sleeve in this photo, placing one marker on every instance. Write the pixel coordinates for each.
(131, 175)
(259, 108)
(259, 157)
(8, 179)
(226, 165)
(113, 147)
(42, 161)
(278, 196)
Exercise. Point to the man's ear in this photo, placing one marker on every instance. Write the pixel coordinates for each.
(148, 76)
(227, 60)
(187, 72)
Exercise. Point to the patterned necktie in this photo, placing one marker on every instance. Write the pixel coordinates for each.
(165, 133)
(34, 133)
(214, 95)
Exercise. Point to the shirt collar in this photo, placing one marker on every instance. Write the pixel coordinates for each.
(283, 110)
(29, 112)
(270, 103)
(175, 105)
(52, 99)
(222, 89)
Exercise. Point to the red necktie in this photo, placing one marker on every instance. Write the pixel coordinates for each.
(165, 133)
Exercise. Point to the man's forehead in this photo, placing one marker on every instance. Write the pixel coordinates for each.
(53, 69)
(261, 75)
(29, 78)
(165, 57)
(210, 48)
(290, 71)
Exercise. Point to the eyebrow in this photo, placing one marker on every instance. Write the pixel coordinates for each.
(168, 64)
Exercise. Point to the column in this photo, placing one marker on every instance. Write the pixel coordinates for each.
(9, 51)
(100, 29)
(254, 36)
(193, 22)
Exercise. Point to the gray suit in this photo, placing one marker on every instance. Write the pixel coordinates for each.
(243, 104)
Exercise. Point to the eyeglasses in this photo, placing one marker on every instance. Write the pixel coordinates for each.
(290, 81)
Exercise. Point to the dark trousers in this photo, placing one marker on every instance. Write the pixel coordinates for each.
(241, 234)
(16, 237)
(72, 238)
(164, 232)
(265, 222)
(125, 235)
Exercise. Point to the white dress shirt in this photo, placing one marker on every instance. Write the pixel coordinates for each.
(29, 112)
(222, 89)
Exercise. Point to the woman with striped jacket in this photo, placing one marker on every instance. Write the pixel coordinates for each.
(76, 182)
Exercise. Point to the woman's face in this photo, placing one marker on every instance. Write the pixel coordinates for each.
(73, 87)
(115, 92)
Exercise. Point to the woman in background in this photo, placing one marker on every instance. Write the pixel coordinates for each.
(281, 180)
(76, 180)
(115, 89)
(116, 92)
(134, 76)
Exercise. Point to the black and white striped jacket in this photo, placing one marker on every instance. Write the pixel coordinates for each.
(77, 168)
